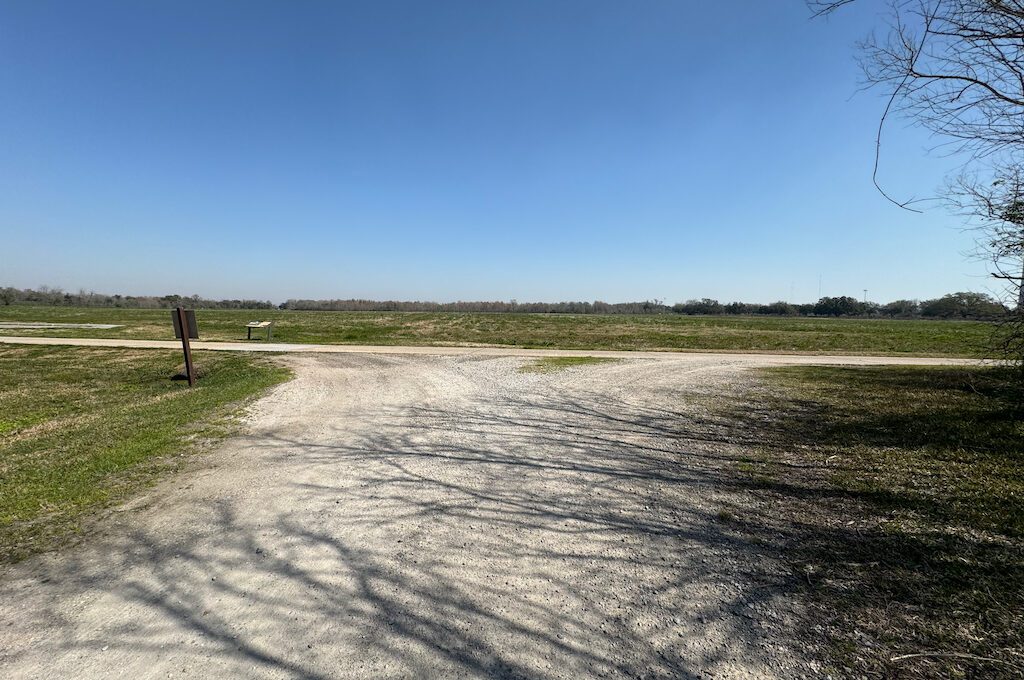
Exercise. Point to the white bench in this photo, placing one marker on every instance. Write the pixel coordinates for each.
(269, 325)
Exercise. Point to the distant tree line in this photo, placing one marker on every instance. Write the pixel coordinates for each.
(597, 307)
(953, 306)
(56, 297)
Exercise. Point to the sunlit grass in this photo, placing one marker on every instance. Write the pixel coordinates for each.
(84, 428)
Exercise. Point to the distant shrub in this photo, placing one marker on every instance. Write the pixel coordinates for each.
(778, 309)
(963, 306)
(901, 308)
(840, 306)
(702, 306)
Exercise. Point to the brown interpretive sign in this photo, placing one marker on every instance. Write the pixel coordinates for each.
(186, 318)
(190, 322)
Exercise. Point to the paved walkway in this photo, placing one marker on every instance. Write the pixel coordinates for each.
(759, 358)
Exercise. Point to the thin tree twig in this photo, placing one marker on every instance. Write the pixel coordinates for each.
(958, 655)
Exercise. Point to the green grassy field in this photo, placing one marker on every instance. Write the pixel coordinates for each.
(618, 332)
(900, 494)
(82, 428)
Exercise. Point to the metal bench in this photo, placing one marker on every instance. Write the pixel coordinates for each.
(269, 325)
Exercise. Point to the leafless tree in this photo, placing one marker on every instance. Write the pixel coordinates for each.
(956, 67)
(995, 205)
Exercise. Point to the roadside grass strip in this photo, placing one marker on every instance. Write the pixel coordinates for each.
(82, 429)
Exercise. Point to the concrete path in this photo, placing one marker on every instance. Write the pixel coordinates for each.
(759, 358)
(435, 517)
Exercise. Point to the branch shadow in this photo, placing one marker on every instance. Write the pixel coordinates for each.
(895, 523)
(557, 536)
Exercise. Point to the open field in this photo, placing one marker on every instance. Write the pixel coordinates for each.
(82, 428)
(596, 332)
(901, 495)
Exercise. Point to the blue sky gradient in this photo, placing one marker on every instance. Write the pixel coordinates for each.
(537, 150)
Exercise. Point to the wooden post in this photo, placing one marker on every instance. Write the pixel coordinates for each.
(190, 370)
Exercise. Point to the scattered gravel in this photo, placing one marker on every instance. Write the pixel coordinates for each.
(424, 516)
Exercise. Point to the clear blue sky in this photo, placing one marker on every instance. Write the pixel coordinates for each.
(530, 149)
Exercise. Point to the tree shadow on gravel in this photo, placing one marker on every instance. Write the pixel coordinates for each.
(551, 537)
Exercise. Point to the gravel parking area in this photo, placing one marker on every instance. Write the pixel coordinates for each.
(431, 516)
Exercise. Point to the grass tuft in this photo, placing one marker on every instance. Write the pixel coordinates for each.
(553, 364)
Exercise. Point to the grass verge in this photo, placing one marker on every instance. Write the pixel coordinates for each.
(83, 428)
(552, 364)
(900, 493)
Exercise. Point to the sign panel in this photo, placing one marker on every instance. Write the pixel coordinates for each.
(190, 320)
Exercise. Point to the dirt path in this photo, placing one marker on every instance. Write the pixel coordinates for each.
(420, 516)
(404, 350)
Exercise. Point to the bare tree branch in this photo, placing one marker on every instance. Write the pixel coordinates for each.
(956, 67)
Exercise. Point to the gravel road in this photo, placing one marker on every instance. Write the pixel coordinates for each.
(480, 351)
(425, 516)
